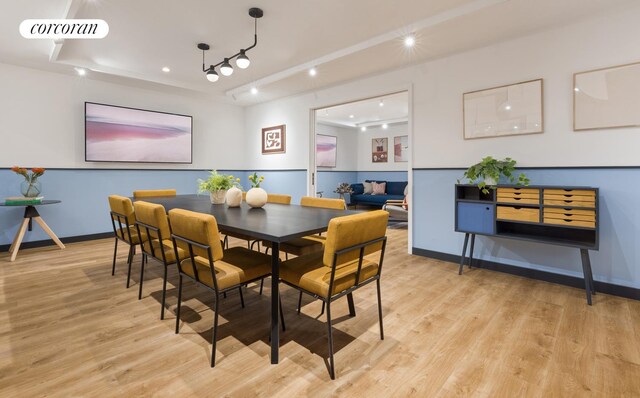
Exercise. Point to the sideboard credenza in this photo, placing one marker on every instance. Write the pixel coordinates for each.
(558, 215)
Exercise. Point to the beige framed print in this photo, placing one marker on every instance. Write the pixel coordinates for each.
(607, 98)
(513, 109)
(274, 139)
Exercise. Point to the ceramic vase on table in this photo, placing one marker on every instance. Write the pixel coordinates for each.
(30, 189)
(217, 197)
(256, 197)
(234, 197)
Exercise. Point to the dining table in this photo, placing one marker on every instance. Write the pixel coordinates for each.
(275, 223)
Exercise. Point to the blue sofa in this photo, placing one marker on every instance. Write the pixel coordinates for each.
(394, 191)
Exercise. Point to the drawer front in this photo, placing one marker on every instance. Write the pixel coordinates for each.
(476, 218)
(570, 223)
(570, 214)
(570, 202)
(524, 191)
(518, 213)
(578, 192)
(522, 200)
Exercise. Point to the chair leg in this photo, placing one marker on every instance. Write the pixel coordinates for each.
(286, 256)
(299, 302)
(225, 243)
(330, 334)
(141, 279)
(164, 292)
(380, 311)
(179, 303)
(352, 306)
(323, 304)
(281, 313)
(215, 335)
(241, 298)
(115, 252)
(129, 263)
(261, 285)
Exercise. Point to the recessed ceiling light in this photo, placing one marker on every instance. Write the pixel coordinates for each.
(166, 69)
(351, 116)
(313, 72)
(254, 90)
(507, 107)
(576, 89)
(409, 41)
(381, 103)
(385, 126)
(326, 112)
(363, 128)
(81, 71)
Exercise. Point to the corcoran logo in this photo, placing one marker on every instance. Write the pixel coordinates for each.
(58, 29)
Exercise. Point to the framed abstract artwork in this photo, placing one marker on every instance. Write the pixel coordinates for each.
(326, 150)
(513, 109)
(607, 98)
(379, 150)
(274, 139)
(401, 148)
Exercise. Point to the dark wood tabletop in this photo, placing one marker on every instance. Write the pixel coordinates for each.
(273, 222)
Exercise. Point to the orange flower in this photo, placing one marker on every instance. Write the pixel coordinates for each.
(15, 169)
(38, 170)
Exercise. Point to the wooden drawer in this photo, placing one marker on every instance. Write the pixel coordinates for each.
(569, 223)
(518, 213)
(572, 192)
(529, 196)
(579, 201)
(570, 214)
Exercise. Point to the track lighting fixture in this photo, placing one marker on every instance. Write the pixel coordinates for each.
(242, 61)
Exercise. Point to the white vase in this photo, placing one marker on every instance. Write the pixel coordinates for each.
(490, 181)
(234, 197)
(217, 197)
(256, 197)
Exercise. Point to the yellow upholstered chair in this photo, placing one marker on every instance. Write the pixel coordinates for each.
(341, 268)
(123, 220)
(146, 193)
(152, 221)
(325, 203)
(207, 264)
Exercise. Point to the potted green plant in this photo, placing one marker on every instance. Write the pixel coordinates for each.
(217, 185)
(487, 172)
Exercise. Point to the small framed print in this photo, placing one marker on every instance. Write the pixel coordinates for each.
(274, 139)
(379, 150)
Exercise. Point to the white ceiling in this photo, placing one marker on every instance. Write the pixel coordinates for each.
(368, 112)
(343, 39)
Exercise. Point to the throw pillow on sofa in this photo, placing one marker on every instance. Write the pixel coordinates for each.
(368, 187)
(378, 188)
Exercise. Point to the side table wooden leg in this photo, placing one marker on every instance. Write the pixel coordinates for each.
(48, 230)
(18, 241)
(464, 253)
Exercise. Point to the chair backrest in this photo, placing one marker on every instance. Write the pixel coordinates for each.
(199, 228)
(352, 231)
(146, 193)
(325, 203)
(279, 198)
(123, 215)
(155, 216)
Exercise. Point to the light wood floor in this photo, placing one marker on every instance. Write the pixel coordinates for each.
(69, 328)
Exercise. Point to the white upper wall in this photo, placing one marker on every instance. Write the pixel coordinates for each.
(437, 89)
(346, 155)
(43, 121)
(365, 161)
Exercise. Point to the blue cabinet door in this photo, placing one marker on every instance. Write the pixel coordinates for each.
(477, 218)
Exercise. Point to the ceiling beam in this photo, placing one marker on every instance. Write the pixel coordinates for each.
(73, 6)
(434, 20)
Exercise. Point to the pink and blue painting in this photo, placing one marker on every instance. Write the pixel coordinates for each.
(118, 134)
(326, 150)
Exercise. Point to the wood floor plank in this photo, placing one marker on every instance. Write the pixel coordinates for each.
(69, 328)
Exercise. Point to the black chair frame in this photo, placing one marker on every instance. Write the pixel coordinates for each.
(119, 233)
(348, 292)
(216, 291)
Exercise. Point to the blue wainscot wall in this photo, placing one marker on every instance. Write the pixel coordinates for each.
(85, 210)
(617, 262)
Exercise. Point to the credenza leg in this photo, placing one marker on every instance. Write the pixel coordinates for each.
(586, 270)
(464, 253)
(473, 243)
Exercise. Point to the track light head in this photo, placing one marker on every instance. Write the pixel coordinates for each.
(242, 61)
(212, 75)
(226, 69)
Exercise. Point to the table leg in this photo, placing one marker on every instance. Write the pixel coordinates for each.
(464, 253)
(275, 280)
(18, 241)
(48, 230)
(586, 270)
